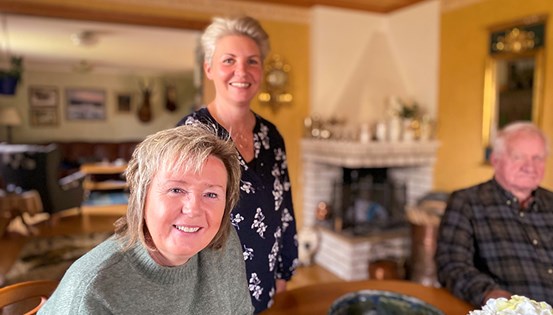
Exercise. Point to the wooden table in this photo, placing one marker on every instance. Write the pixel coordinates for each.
(317, 299)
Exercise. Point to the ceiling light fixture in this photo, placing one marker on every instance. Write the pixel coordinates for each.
(84, 38)
(83, 66)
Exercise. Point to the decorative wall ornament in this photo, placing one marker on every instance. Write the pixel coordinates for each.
(145, 110)
(518, 39)
(275, 84)
(171, 96)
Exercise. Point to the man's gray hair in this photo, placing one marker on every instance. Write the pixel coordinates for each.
(516, 128)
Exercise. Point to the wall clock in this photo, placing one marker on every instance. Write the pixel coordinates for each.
(275, 83)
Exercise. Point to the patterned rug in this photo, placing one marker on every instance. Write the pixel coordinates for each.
(49, 258)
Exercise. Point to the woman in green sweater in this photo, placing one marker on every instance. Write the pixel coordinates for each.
(174, 252)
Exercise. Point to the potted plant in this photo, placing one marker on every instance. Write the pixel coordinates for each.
(410, 114)
(10, 78)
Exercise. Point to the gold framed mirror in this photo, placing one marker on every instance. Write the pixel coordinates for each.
(513, 79)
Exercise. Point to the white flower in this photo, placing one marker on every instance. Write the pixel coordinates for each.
(517, 305)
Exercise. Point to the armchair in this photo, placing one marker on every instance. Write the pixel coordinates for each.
(37, 167)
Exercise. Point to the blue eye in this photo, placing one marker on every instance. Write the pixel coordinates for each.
(176, 190)
(212, 195)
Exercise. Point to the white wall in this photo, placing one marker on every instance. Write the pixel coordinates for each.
(360, 59)
(117, 126)
(416, 39)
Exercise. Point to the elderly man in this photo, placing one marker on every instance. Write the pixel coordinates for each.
(496, 238)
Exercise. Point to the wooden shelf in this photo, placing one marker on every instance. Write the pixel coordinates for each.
(104, 185)
(96, 171)
(103, 168)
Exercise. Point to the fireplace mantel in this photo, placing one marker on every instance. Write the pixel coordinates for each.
(354, 154)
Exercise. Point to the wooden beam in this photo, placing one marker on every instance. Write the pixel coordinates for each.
(100, 15)
(376, 6)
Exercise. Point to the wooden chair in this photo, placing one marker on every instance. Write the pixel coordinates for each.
(25, 297)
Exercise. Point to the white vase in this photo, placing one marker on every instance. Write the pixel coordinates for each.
(407, 132)
(394, 129)
(365, 133)
(380, 131)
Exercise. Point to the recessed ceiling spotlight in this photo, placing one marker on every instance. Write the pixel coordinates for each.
(84, 38)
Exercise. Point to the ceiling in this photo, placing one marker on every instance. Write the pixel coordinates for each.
(45, 42)
(377, 6)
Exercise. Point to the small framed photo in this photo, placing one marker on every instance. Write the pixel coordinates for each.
(85, 104)
(43, 96)
(46, 116)
(124, 102)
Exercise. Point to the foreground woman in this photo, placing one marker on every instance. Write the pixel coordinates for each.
(174, 251)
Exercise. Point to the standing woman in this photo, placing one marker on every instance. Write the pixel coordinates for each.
(234, 51)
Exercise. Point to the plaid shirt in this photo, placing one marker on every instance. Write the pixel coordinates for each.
(487, 242)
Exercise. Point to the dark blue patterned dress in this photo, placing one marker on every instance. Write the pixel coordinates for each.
(264, 217)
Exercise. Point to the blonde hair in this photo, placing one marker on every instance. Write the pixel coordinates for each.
(244, 26)
(187, 146)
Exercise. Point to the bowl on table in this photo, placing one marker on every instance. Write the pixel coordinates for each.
(377, 302)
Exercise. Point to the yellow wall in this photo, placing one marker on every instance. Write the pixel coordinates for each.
(291, 42)
(464, 48)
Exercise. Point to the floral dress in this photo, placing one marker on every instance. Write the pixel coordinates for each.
(264, 217)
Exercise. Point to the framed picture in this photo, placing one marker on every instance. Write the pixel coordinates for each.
(43, 96)
(124, 102)
(46, 116)
(85, 104)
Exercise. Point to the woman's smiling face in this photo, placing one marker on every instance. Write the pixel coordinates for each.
(236, 69)
(184, 210)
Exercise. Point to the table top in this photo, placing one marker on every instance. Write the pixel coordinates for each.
(317, 299)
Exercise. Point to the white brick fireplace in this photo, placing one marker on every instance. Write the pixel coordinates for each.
(323, 161)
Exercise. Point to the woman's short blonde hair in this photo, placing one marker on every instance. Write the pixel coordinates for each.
(185, 147)
(244, 26)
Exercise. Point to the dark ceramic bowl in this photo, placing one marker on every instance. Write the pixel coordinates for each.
(375, 302)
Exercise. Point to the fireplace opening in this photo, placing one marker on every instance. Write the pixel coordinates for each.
(366, 201)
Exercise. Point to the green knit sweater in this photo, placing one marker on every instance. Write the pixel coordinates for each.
(109, 281)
